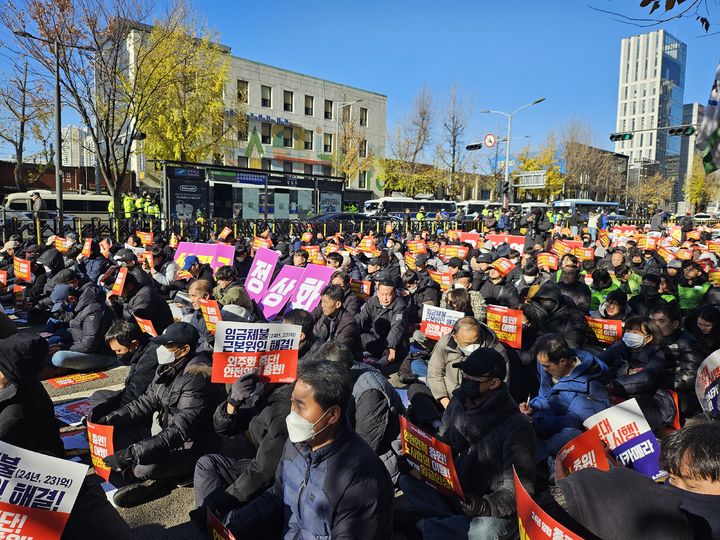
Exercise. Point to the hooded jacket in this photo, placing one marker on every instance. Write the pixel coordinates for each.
(558, 315)
(27, 417)
(687, 355)
(229, 294)
(578, 292)
(487, 442)
(147, 304)
(572, 399)
(90, 322)
(500, 294)
(442, 377)
(428, 292)
(340, 490)
(184, 398)
(340, 328)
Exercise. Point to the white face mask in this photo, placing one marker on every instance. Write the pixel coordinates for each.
(634, 340)
(459, 286)
(412, 290)
(467, 351)
(529, 279)
(165, 355)
(301, 430)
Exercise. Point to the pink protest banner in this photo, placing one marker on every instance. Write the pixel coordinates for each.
(310, 287)
(260, 272)
(280, 291)
(514, 241)
(216, 255)
(38, 492)
(100, 440)
(270, 350)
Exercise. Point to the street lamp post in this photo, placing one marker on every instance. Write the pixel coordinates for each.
(336, 144)
(508, 195)
(58, 136)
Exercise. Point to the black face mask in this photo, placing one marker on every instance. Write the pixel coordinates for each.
(649, 291)
(471, 389)
(548, 305)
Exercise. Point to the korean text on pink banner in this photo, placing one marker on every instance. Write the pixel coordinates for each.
(261, 271)
(314, 280)
(281, 290)
(216, 255)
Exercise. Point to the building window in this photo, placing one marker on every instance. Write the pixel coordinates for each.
(308, 137)
(362, 180)
(266, 133)
(287, 137)
(287, 166)
(266, 164)
(328, 143)
(288, 101)
(309, 105)
(307, 168)
(328, 109)
(265, 96)
(362, 149)
(242, 91)
(242, 161)
(363, 117)
(346, 114)
(326, 170)
(243, 134)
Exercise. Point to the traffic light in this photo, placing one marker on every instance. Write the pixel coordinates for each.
(621, 136)
(684, 131)
(505, 189)
(476, 146)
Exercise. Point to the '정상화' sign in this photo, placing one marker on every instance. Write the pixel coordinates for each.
(281, 290)
(307, 294)
(271, 350)
(626, 433)
(585, 451)
(707, 384)
(261, 270)
(606, 331)
(100, 440)
(437, 322)
(534, 523)
(429, 457)
(507, 324)
(210, 310)
(37, 493)
(216, 255)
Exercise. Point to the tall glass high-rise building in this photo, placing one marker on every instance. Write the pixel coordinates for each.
(650, 96)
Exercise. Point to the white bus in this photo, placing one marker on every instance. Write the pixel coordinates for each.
(82, 205)
(395, 206)
(473, 208)
(585, 206)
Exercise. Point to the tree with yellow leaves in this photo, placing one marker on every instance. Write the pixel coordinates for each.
(697, 189)
(545, 159)
(192, 120)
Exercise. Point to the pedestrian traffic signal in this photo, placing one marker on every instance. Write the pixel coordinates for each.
(621, 136)
(684, 131)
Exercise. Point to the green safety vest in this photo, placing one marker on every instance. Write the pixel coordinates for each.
(669, 298)
(420, 216)
(111, 206)
(128, 206)
(691, 297)
(152, 209)
(633, 285)
(598, 297)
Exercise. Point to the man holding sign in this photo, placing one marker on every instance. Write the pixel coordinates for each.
(488, 437)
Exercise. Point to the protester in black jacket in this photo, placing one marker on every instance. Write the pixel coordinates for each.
(558, 315)
(383, 325)
(496, 290)
(573, 288)
(537, 225)
(419, 291)
(488, 437)
(335, 324)
(143, 302)
(351, 303)
(27, 417)
(649, 296)
(257, 410)
(184, 399)
(133, 348)
(126, 257)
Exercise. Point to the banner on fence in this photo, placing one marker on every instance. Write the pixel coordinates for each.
(271, 350)
(515, 242)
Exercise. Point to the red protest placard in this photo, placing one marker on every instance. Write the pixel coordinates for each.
(604, 238)
(19, 296)
(76, 378)
(469, 238)
(714, 277)
(62, 244)
(515, 242)
(560, 248)
(367, 245)
(146, 238)
(647, 243)
(416, 247)
(100, 440)
(146, 326)
(444, 279)
(503, 266)
(105, 248)
(447, 252)
(584, 254)
(714, 246)
(548, 260)
(430, 457)
(87, 248)
(271, 350)
(361, 288)
(22, 269)
(119, 284)
(436, 322)
(534, 523)
(306, 237)
(410, 261)
(211, 313)
(259, 242)
(507, 324)
(174, 240)
(605, 330)
(216, 530)
(225, 233)
(3, 277)
(583, 452)
(314, 254)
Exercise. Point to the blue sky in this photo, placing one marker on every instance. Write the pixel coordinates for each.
(500, 54)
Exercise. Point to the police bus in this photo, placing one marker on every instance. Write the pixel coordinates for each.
(585, 206)
(473, 209)
(395, 206)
